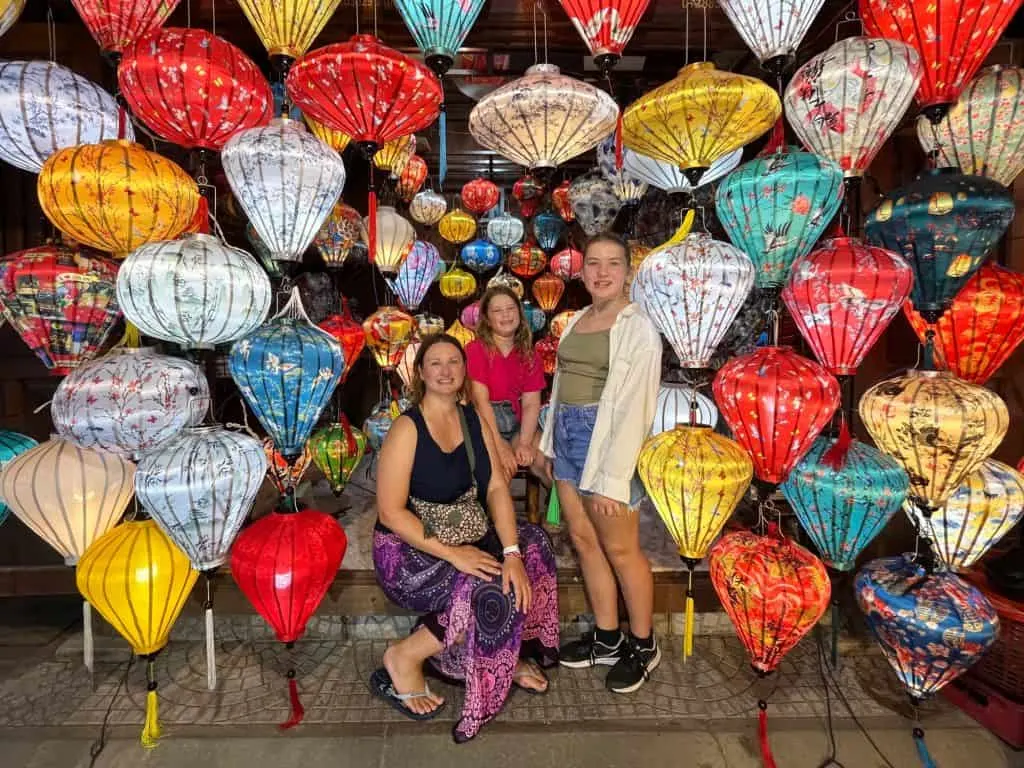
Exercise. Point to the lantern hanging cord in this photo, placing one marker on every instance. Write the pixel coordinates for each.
(375, 18)
(51, 32)
(544, 13)
(704, 10)
(831, 761)
(536, 55)
(213, 10)
(686, 33)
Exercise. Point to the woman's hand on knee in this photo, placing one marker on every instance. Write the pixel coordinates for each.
(602, 505)
(514, 576)
(474, 562)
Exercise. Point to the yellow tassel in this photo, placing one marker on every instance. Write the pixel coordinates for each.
(688, 629)
(151, 730)
(131, 338)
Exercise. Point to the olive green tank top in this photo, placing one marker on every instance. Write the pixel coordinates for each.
(583, 366)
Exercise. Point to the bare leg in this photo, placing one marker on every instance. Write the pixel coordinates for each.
(404, 662)
(619, 536)
(598, 578)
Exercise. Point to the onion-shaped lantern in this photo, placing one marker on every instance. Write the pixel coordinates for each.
(668, 177)
(480, 195)
(510, 281)
(480, 255)
(628, 188)
(535, 317)
(427, 208)
(772, 30)
(196, 291)
(460, 333)
(288, 28)
(529, 193)
(388, 331)
(560, 322)
(527, 260)
(336, 140)
(439, 27)
(692, 292)
(937, 427)
(470, 315)
(12, 444)
(10, 10)
(560, 201)
(547, 289)
(395, 238)
(349, 334)
(944, 224)
(287, 182)
(681, 404)
(567, 264)
(505, 230)
(416, 274)
(342, 229)
(775, 402)
(45, 107)
(548, 228)
(116, 24)
(427, 324)
(547, 351)
(94, 193)
(411, 179)
(337, 450)
(457, 284)
(605, 26)
(457, 226)
(61, 303)
(594, 202)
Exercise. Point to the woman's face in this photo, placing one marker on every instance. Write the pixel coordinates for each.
(443, 370)
(503, 315)
(605, 269)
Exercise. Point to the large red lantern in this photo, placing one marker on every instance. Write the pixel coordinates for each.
(480, 195)
(193, 88)
(775, 402)
(349, 333)
(116, 24)
(605, 26)
(981, 328)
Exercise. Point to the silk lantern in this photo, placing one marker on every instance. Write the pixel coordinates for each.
(288, 27)
(394, 154)
(627, 187)
(457, 284)
(548, 229)
(508, 280)
(480, 255)
(439, 27)
(336, 140)
(772, 30)
(547, 290)
(560, 201)
(505, 230)
(95, 192)
(12, 444)
(775, 402)
(388, 332)
(528, 189)
(982, 326)
(349, 334)
(457, 226)
(547, 351)
(382, 416)
(395, 238)
(341, 230)
(668, 177)
(535, 317)
(842, 296)
(560, 322)
(944, 224)
(937, 427)
(681, 404)
(411, 179)
(427, 208)
(605, 26)
(287, 370)
(116, 24)
(416, 274)
(692, 292)
(337, 450)
(594, 202)
(287, 182)
(527, 260)
(10, 10)
(427, 324)
(285, 474)
(480, 195)
(460, 333)
(261, 252)
(407, 364)
(567, 264)
(61, 303)
(470, 315)
(45, 107)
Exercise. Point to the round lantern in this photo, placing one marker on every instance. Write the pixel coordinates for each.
(129, 401)
(12, 444)
(605, 26)
(692, 292)
(287, 182)
(560, 322)
(460, 333)
(844, 103)
(193, 88)
(628, 188)
(567, 264)
(349, 334)
(480, 195)
(775, 402)
(93, 193)
(529, 193)
(287, 370)
(196, 291)
(395, 238)
(505, 230)
(342, 229)
(548, 228)
(457, 284)
(944, 224)
(417, 274)
(547, 290)
(547, 351)
(393, 156)
(411, 179)
(681, 404)
(594, 202)
(60, 302)
(45, 107)
(470, 315)
(381, 417)
(773, 31)
(480, 255)
(336, 140)
(509, 281)
(337, 450)
(10, 10)
(535, 317)
(560, 201)
(427, 324)
(842, 297)
(457, 226)
(439, 28)
(116, 24)
(937, 427)
(288, 29)
(388, 332)
(527, 260)
(669, 178)
(427, 208)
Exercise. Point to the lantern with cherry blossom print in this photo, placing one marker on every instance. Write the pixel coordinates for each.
(505, 230)
(337, 450)
(548, 228)
(457, 284)
(411, 179)
(561, 203)
(547, 289)
(416, 274)
(567, 263)
(395, 238)
(594, 202)
(480, 195)
(527, 260)
(348, 333)
(605, 26)
(457, 226)
(287, 27)
(480, 255)
(772, 30)
(388, 331)
(341, 230)
(427, 207)
(628, 188)
(116, 24)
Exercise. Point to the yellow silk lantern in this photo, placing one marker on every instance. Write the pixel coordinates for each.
(393, 156)
(699, 116)
(288, 27)
(457, 284)
(695, 479)
(336, 140)
(938, 427)
(457, 226)
(116, 196)
(388, 332)
(460, 333)
(138, 580)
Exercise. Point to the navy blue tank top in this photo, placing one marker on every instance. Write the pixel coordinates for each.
(443, 477)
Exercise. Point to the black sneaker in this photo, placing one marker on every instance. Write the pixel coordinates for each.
(591, 652)
(634, 668)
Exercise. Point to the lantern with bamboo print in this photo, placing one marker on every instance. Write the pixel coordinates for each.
(12, 444)
(348, 333)
(10, 10)
(527, 260)
(457, 284)
(457, 226)
(341, 230)
(388, 332)
(288, 27)
(416, 274)
(427, 208)
(411, 179)
(480, 195)
(547, 289)
(606, 26)
(460, 333)
(116, 24)
(395, 238)
(695, 478)
(337, 450)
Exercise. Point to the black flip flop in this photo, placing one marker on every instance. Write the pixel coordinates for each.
(384, 688)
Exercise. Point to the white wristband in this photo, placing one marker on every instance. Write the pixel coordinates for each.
(512, 551)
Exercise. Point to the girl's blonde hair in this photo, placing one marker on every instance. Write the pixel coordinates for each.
(523, 339)
(417, 388)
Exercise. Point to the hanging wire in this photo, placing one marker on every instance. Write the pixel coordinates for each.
(358, 7)
(545, 14)
(188, 13)
(213, 8)
(686, 38)
(51, 32)
(704, 10)
(375, 18)
(536, 55)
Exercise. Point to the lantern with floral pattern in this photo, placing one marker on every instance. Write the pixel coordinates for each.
(527, 260)
(480, 195)
(288, 28)
(417, 274)
(480, 255)
(349, 334)
(427, 207)
(411, 179)
(772, 30)
(567, 263)
(605, 26)
(337, 450)
(116, 24)
(342, 229)
(505, 230)
(388, 332)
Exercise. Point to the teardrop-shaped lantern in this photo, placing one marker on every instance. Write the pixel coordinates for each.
(937, 427)
(341, 230)
(676, 403)
(337, 450)
(416, 274)
(692, 292)
(510, 281)
(527, 260)
(287, 28)
(427, 208)
(480, 195)
(605, 26)
(594, 202)
(388, 332)
(547, 289)
(10, 10)
(395, 238)
(116, 24)
(439, 27)
(548, 228)
(480, 255)
(411, 179)
(567, 264)
(12, 444)
(505, 230)
(457, 226)
(628, 188)
(669, 178)
(460, 333)
(457, 284)
(349, 334)
(772, 30)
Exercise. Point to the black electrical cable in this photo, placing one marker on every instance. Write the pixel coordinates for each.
(97, 747)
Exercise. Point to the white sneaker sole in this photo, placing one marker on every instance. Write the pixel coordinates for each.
(651, 666)
(603, 661)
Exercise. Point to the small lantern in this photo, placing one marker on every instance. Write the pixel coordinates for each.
(341, 230)
(395, 238)
(480, 255)
(527, 260)
(547, 290)
(457, 284)
(457, 226)
(388, 332)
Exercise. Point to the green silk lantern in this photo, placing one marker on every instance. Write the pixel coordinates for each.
(337, 450)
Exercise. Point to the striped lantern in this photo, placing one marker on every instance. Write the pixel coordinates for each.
(548, 228)
(10, 10)
(567, 264)
(439, 27)
(337, 450)
(411, 179)
(427, 207)
(416, 274)
(606, 26)
(772, 30)
(457, 284)
(348, 333)
(547, 289)
(341, 230)
(457, 226)
(407, 364)
(116, 24)
(393, 156)
(288, 28)
(336, 140)
(470, 315)
(627, 187)
(505, 230)
(12, 444)
(388, 331)
(395, 239)
(668, 177)
(675, 404)
(527, 260)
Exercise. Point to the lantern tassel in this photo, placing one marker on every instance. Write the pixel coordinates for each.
(776, 140)
(922, 750)
(211, 646)
(767, 760)
(298, 711)
(554, 509)
(151, 728)
(88, 652)
(442, 141)
(688, 620)
(371, 235)
(835, 457)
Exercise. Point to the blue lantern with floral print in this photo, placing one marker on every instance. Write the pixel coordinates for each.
(417, 273)
(548, 228)
(12, 444)
(481, 255)
(287, 370)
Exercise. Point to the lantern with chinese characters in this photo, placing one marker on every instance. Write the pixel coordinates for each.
(92, 194)
(567, 263)
(393, 156)
(535, 317)
(944, 224)
(287, 182)
(116, 24)
(10, 10)
(457, 226)
(527, 260)
(772, 30)
(937, 427)
(560, 322)
(285, 474)
(605, 26)
(61, 303)
(427, 324)
(698, 117)
(507, 280)
(480, 255)
(12, 444)
(416, 274)
(407, 364)
(460, 333)
(775, 402)
(342, 229)
(547, 351)
(668, 177)
(505, 230)
(681, 404)
(628, 188)
(547, 289)
(842, 297)
(542, 119)
(480, 195)
(219, 293)
(193, 88)
(594, 202)
(470, 315)
(692, 292)
(349, 334)
(560, 201)
(288, 28)
(336, 140)
(45, 107)
(395, 238)
(388, 331)
(982, 326)
(548, 228)
(776, 207)
(457, 284)
(337, 450)
(427, 208)
(411, 179)
(287, 370)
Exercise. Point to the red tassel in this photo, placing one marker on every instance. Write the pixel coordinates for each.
(297, 710)
(762, 734)
(835, 457)
(121, 119)
(618, 142)
(372, 234)
(777, 140)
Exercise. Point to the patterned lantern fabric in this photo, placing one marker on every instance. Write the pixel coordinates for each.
(457, 226)
(336, 140)
(193, 88)
(480, 255)
(261, 252)
(395, 238)
(388, 332)
(129, 401)
(535, 317)
(542, 119)
(427, 208)
(349, 334)
(116, 24)
(407, 364)
(439, 27)
(944, 224)
(416, 274)
(287, 370)
(775, 402)
(628, 188)
(460, 333)
(337, 450)
(842, 297)
(12, 444)
(45, 107)
(548, 228)
(287, 182)
(93, 192)
(411, 179)
(699, 116)
(60, 302)
(527, 260)
(457, 284)
(773, 30)
(931, 626)
(285, 474)
(547, 350)
(395, 154)
(529, 193)
(567, 264)
(342, 229)
(605, 25)
(773, 590)
(976, 516)
(480, 195)
(937, 427)
(594, 202)
(843, 509)
(982, 326)
(509, 281)
(692, 292)
(561, 321)
(427, 324)
(470, 315)
(668, 177)
(844, 103)
(560, 201)
(505, 230)
(776, 207)
(381, 417)
(674, 407)
(547, 289)
(9, 12)
(288, 27)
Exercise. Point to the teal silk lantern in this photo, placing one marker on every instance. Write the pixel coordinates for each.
(439, 27)
(775, 208)
(535, 316)
(548, 228)
(944, 224)
(481, 255)
(12, 444)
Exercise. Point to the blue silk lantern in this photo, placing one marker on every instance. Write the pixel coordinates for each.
(12, 444)
(287, 370)
(535, 316)
(417, 273)
(775, 208)
(548, 228)
(481, 255)
(944, 223)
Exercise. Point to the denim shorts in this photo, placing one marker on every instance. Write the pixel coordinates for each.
(505, 418)
(574, 426)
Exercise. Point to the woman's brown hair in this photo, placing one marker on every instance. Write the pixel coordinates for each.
(522, 341)
(417, 389)
(609, 237)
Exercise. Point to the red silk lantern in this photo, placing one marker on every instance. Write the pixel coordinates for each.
(116, 24)
(529, 193)
(547, 350)
(411, 178)
(842, 296)
(561, 203)
(605, 26)
(480, 195)
(349, 333)
(568, 263)
(775, 402)
(547, 290)
(193, 88)
(527, 260)
(982, 327)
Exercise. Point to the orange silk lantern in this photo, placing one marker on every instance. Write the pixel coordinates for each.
(283, 474)
(411, 178)
(547, 290)
(527, 260)
(560, 201)
(388, 333)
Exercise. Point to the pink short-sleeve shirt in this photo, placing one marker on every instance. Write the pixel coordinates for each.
(507, 377)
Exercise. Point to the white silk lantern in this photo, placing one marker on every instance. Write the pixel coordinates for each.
(674, 405)
(395, 237)
(427, 207)
(669, 177)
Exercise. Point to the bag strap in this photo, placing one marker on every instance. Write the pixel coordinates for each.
(468, 442)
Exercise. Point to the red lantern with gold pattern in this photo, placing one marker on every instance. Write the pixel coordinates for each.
(547, 351)
(567, 263)
(529, 193)
(547, 290)
(480, 195)
(561, 203)
(349, 333)
(527, 260)
(116, 24)
(411, 179)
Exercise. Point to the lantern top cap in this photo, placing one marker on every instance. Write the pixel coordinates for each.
(543, 69)
(691, 427)
(697, 66)
(283, 121)
(136, 351)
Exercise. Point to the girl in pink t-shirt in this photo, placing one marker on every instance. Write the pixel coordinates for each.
(507, 380)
